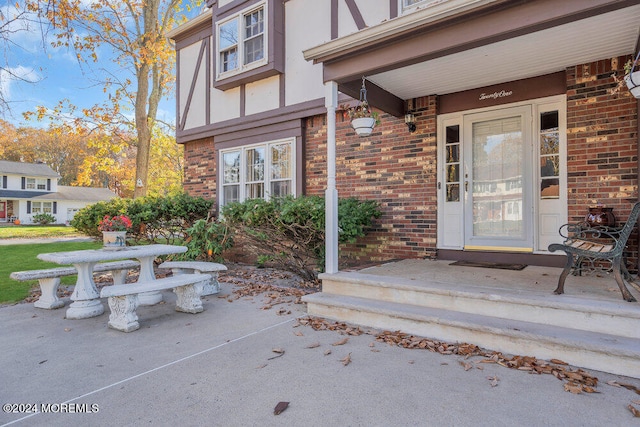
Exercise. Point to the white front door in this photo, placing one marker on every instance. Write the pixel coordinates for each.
(497, 189)
(502, 177)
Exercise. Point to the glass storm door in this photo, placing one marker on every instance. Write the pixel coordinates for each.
(497, 199)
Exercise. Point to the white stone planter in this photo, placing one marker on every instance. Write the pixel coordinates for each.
(114, 239)
(363, 125)
(633, 83)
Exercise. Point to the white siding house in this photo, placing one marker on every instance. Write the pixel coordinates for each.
(27, 189)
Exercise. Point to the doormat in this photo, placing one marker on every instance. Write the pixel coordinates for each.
(498, 265)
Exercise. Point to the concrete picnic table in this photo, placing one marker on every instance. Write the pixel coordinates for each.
(86, 298)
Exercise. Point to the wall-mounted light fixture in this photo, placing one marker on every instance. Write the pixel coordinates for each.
(410, 121)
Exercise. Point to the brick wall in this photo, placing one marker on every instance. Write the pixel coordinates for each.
(392, 166)
(602, 138)
(398, 168)
(200, 171)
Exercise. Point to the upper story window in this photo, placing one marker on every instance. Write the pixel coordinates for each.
(413, 4)
(36, 184)
(241, 41)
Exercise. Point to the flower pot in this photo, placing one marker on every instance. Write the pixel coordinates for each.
(363, 125)
(600, 216)
(114, 239)
(633, 83)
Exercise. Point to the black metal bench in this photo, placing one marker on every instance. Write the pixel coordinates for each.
(587, 247)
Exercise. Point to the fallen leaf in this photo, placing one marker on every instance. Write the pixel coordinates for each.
(314, 345)
(341, 342)
(573, 387)
(280, 407)
(494, 381)
(411, 362)
(558, 362)
(279, 351)
(327, 352)
(630, 387)
(465, 365)
(298, 334)
(262, 366)
(634, 411)
(67, 329)
(346, 360)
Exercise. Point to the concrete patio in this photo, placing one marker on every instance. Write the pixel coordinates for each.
(218, 368)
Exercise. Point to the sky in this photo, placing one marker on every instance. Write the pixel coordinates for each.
(52, 74)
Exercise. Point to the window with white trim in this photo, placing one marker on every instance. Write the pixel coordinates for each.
(241, 41)
(413, 4)
(36, 184)
(41, 207)
(260, 171)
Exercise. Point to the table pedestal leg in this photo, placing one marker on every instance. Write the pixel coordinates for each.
(86, 299)
(146, 275)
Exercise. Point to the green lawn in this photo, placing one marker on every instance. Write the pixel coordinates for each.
(36, 231)
(23, 257)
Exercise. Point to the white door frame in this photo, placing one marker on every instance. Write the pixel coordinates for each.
(547, 214)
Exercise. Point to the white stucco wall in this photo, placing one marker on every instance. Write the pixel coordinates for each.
(303, 79)
(373, 12)
(263, 95)
(225, 105)
(196, 116)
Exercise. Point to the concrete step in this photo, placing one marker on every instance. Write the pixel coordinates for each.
(591, 350)
(619, 318)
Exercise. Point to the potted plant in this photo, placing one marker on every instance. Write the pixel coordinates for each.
(362, 118)
(632, 77)
(114, 231)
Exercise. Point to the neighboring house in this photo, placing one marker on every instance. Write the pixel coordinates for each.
(28, 189)
(516, 129)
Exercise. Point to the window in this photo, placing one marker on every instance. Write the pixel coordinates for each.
(452, 161)
(549, 135)
(241, 41)
(36, 184)
(41, 207)
(412, 4)
(258, 171)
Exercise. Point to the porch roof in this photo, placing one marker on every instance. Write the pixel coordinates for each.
(18, 194)
(496, 42)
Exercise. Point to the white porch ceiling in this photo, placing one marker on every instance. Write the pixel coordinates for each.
(543, 52)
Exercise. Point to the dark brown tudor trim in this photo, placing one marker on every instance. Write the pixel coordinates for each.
(334, 19)
(275, 43)
(355, 14)
(203, 54)
(241, 124)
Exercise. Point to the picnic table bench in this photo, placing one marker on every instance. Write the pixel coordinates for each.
(123, 299)
(49, 279)
(586, 246)
(190, 267)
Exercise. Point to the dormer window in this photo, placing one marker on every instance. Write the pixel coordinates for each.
(241, 41)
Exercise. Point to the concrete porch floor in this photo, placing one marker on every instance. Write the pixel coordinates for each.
(535, 280)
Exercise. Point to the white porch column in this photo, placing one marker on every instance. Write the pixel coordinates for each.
(331, 193)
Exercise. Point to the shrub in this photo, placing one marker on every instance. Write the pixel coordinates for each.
(207, 239)
(153, 218)
(290, 231)
(43, 218)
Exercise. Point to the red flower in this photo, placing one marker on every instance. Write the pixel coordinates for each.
(115, 223)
